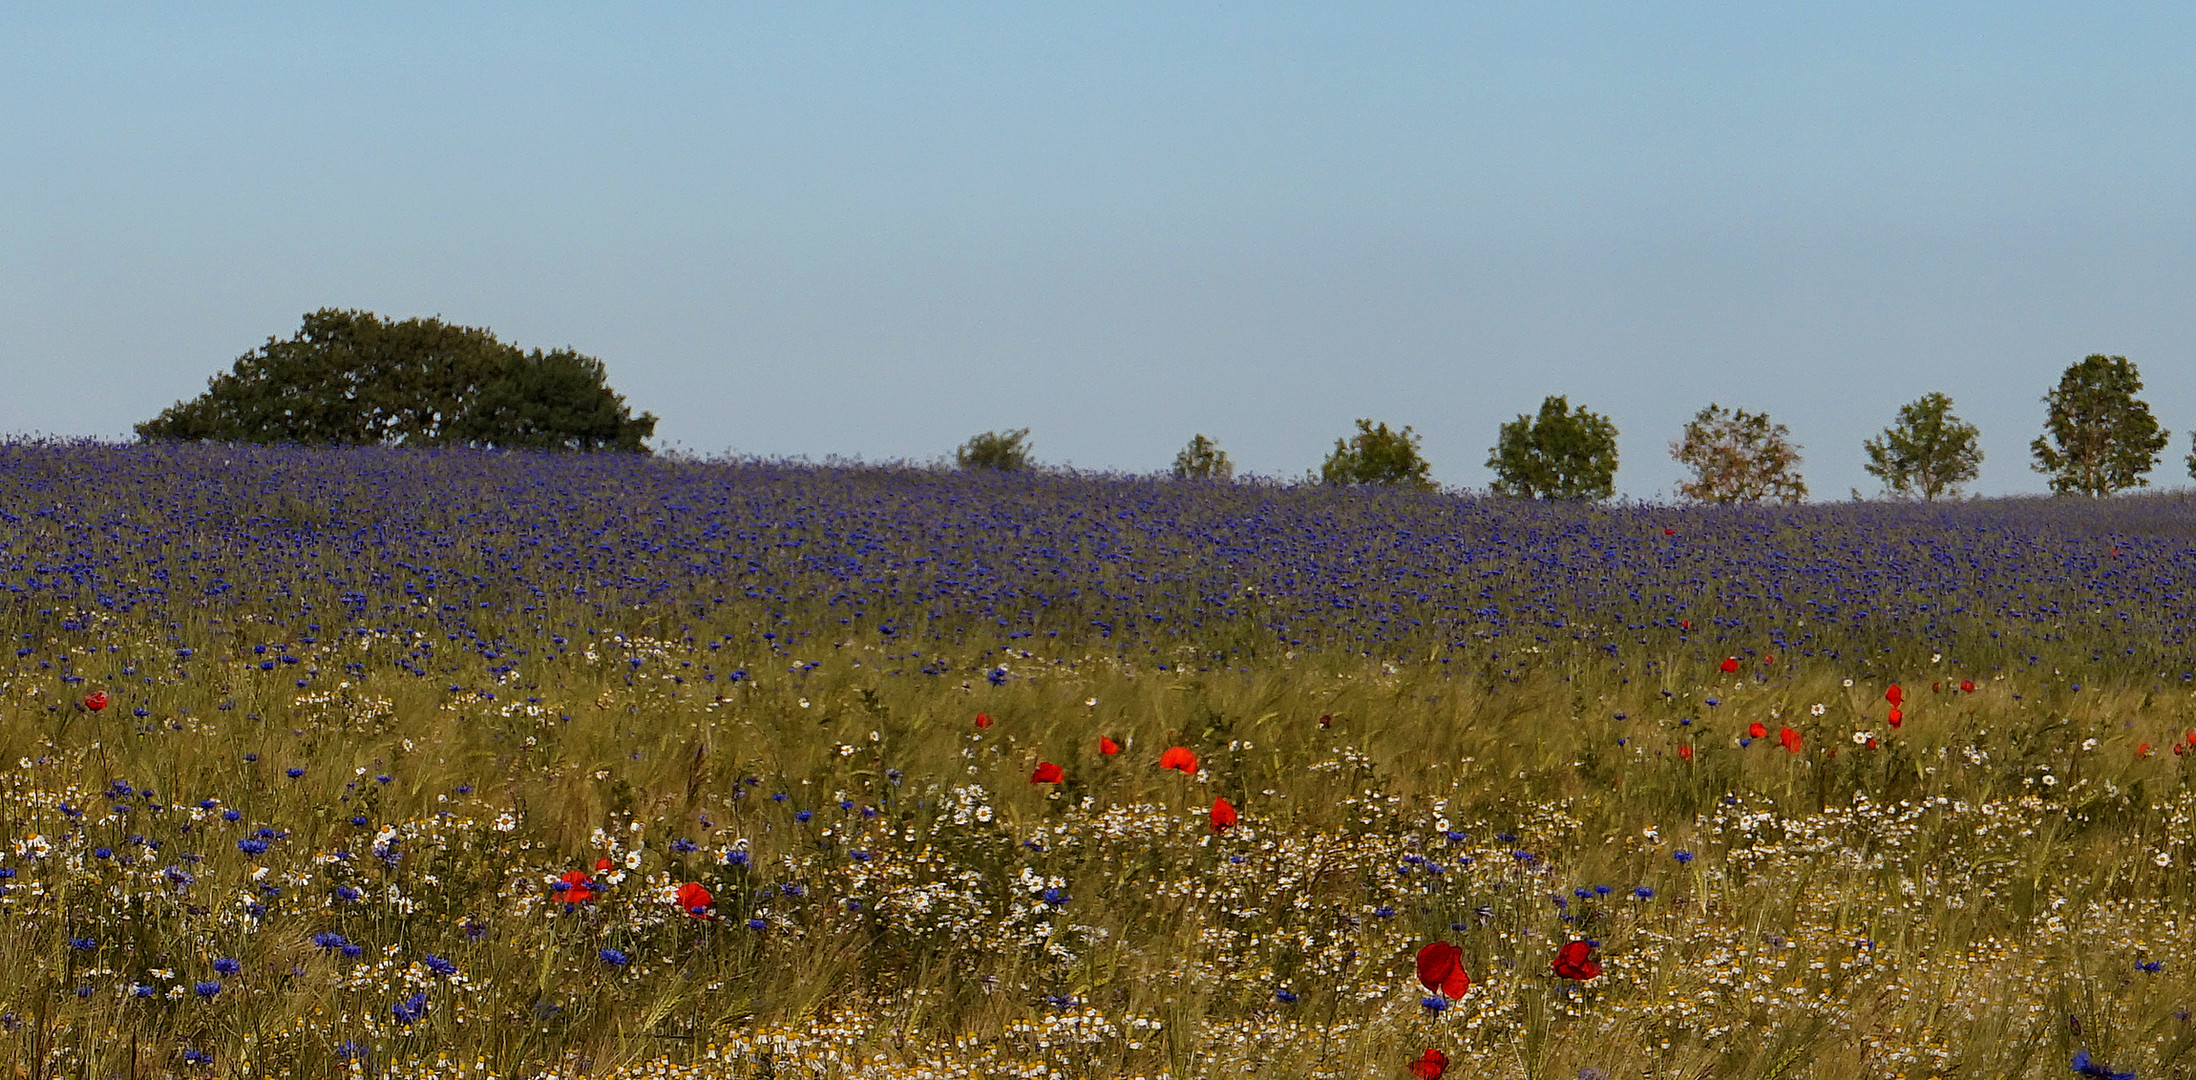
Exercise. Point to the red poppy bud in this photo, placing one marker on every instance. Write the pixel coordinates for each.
(1790, 739)
(1430, 1065)
(1871, 742)
(1047, 773)
(982, 720)
(96, 700)
(1768, 659)
(2143, 750)
(1180, 759)
(1757, 730)
(1685, 751)
(1967, 686)
(1897, 718)
(1326, 720)
(1107, 746)
(1223, 815)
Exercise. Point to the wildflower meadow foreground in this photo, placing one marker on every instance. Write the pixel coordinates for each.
(439, 764)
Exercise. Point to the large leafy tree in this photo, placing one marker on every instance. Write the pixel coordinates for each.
(1738, 456)
(1927, 452)
(1377, 455)
(2098, 436)
(1559, 454)
(352, 378)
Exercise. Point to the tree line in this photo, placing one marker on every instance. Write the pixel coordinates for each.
(2099, 438)
(354, 378)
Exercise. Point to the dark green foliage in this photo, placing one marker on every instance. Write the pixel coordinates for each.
(1203, 459)
(1559, 454)
(2098, 436)
(1738, 457)
(352, 378)
(1928, 452)
(1376, 455)
(1006, 451)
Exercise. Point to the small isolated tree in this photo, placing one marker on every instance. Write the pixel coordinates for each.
(2098, 436)
(1376, 455)
(1005, 451)
(1559, 454)
(1203, 459)
(1927, 452)
(1738, 457)
(352, 378)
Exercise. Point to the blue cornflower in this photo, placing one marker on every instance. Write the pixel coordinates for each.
(329, 939)
(196, 1057)
(1644, 893)
(614, 958)
(251, 845)
(103, 853)
(206, 988)
(2151, 966)
(803, 815)
(1682, 856)
(756, 924)
(410, 1009)
(2086, 1067)
(682, 845)
(1055, 897)
(227, 966)
(142, 990)
(1435, 1003)
(438, 965)
(346, 893)
(1285, 996)
(83, 944)
(294, 772)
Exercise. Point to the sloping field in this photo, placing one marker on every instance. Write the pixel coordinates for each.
(402, 764)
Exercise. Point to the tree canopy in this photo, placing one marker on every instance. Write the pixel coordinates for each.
(1377, 455)
(1203, 459)
(1927, 452)
(2098, 436)
(1559, 454)
(352, 378)
(1738, 456)
(1004, 451)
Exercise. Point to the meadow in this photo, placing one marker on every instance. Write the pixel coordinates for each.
(377, 763)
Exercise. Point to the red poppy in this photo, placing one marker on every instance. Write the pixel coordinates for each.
(1790, 739)
(1768, 659)
(1757, 730)
(2192, 738)
(603, 866)
(1730, 664)
(1430, 1065)
(695, 900)
(2143, 750)
(1685, 624)
(96, 700)
(1047, 773)
(1685, 751)
(983, 720)
(1897, 717)
(1894, 695)
(1223, 815)
(1180, 759)
(1967, 686)
(1107, 746)
(1326, 720)
(1871, 742)
(1576, 961)
(1441, 969)
(577, 888)
(1668, 531)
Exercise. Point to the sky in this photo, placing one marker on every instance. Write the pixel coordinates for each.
(872, 230)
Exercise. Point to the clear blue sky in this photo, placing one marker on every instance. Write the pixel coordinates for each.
(874, 229)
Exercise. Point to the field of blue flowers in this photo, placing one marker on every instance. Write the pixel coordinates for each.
(436, 764)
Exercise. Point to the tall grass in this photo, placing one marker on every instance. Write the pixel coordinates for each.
(371, 829)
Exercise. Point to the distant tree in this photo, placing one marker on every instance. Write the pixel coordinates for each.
(1377, 455)
(1738, 457)
(352, 378)
(1559, 454)
(1203, 459)
(1005, 451)
(2098, 436)
(1927, 451)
